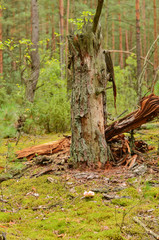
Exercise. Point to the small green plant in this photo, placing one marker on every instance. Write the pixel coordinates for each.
(79, 22)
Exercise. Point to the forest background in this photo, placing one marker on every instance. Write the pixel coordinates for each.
(50, 110)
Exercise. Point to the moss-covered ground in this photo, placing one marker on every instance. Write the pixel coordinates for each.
(53, 207)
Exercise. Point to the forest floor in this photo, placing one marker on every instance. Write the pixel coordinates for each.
(52, 206)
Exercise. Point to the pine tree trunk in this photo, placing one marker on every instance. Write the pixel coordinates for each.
(155, 36)
(1, 51)
(113, 41)
(47, 30)
(138, 48)
(106, 24)
(87, 64)
(120, 42)
(61, 11)
(144, 37)
(35, 61)
(126, 44)
(67, 31)
(144, 22)
(53, 45)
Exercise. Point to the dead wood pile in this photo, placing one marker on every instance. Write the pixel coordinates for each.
(149, 109)
(119, 145)
(61, 146)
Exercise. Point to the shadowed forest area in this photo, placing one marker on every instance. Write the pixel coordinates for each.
(79, 130)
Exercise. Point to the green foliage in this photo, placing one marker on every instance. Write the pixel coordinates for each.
(51, 109)
(79, 22)
(8, 116)
(126, 83)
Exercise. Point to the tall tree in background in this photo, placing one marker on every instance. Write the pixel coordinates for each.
(53, 45)
(31, 83)
(61, 11)
(138, 48)
(144, 23)
(155, 36)
(87, 64)
(67, 30)
(120, 42)
(1, 51)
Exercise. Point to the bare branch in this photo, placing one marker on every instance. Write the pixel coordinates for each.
(129, 52)
(97, 15)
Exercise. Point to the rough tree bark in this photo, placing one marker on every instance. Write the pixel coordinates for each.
(35, 61)
(88, 69)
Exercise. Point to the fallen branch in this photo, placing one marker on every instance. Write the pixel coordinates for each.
(62, 145)
(149, 109)
(149, 231)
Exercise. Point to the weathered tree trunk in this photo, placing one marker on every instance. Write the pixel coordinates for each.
(87, 64)
(138, 49)
(35, 61)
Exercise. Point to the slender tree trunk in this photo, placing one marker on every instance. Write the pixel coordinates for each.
(87, 64)
(126, 44)
(91, 4)
(120, 42)
(113, 41)
(47, 30)
(1, 51)
(106, 25)
(131, 37)
(35, 61)
(67, 32)
(144, 37)
(155, 36)
(13, 33)
(138, 48)
(144, 23)
(61, 11)
(53, 45)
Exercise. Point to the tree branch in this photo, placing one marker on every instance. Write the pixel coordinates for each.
(97, 15)
(129, 52)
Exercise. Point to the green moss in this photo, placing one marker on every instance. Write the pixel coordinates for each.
(123, 202)
(151, 192)
(131, 192)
